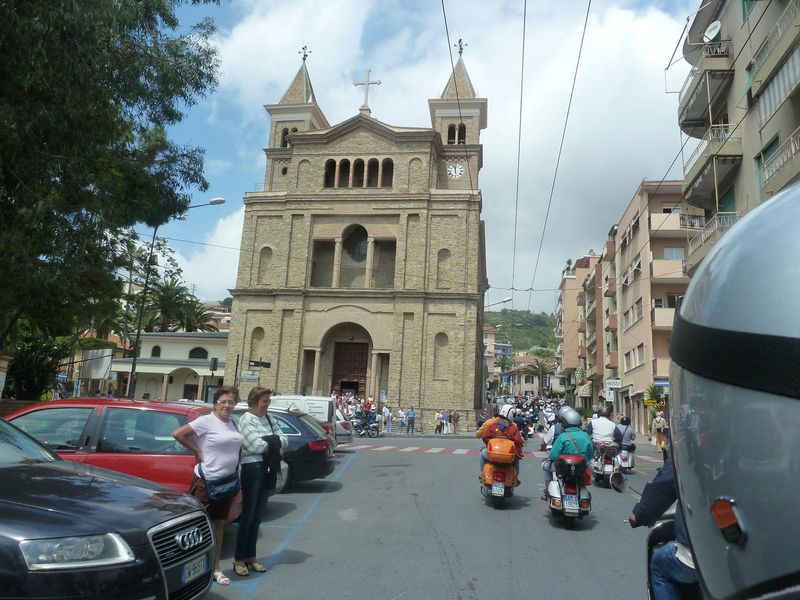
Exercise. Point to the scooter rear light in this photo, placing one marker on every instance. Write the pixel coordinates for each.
(499, 475)
(607, 460)
(570, 488)
(585, 503)
(555, 502)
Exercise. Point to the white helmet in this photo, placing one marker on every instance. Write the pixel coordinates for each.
(507, 411)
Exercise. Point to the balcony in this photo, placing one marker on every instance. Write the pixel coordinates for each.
(668, 271)
(783, 166)
(612, 360)
(773, 49)
(581, 352)
(700, 244)
(661, 367)
(661, 318)
(611, 287)
(611, 323)
(568, 273)
(716, 158)
(712, 73)
(674, 224)
(591, 341)
(590, 308)
(609, 250)
(582, 326)
(560, 350)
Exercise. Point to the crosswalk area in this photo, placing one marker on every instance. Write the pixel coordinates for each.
(424, 450)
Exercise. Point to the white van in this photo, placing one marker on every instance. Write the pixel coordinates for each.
(322, 408)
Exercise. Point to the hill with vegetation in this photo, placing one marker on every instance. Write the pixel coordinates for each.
(523, 329)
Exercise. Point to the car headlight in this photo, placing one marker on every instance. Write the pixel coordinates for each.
(71, 552)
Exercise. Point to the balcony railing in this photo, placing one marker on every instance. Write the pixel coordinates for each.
(782, 155)
(591, 307)
(693, 221)
(591, 341)
(719, 222)
(718, 49)
(781, 25)
(715, 134)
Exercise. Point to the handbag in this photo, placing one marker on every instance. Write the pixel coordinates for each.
(221, 489)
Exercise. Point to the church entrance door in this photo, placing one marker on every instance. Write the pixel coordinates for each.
(350, 368)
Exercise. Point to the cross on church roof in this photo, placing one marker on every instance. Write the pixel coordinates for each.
(460, 45)
(305, 52)
(364, 110)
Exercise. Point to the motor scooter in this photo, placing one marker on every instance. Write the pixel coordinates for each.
(566, 493)
(606, 467)
(626, 459)
(363, 427)
(499, 476)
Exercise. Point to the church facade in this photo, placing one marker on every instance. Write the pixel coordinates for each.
(362, 264)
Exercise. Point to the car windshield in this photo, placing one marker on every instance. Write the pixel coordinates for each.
(17, 447)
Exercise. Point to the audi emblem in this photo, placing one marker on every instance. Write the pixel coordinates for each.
(189, 538)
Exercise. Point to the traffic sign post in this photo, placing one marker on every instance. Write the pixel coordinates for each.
(250, 376)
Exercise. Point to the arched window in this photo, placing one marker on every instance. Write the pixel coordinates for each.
(441, 366)
(442, 268)
(462, 134)
(264, 261)
(451, 134)
(198, 353)
(257, 344)
(344, 173)
(358, 173)
(285, 138)
(155, 352)
(387, 173)
(330, 173)
(353, 265)
(372, 172)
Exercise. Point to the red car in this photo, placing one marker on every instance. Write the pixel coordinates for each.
(130, 436)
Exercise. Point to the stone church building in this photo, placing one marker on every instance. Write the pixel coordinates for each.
(362, 261)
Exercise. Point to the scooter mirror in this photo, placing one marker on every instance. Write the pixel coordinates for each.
(618, 483)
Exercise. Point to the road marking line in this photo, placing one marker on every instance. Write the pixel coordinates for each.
(434, 450)
(364, 446)
(460, 451)
(409, 449)
(648, 459)
(384, 448)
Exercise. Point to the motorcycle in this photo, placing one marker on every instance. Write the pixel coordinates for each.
(626, 459)
(606, 467)
(499, 476)
(363, 427)
(566, 493)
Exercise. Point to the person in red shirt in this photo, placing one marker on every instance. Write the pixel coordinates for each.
(502, 426)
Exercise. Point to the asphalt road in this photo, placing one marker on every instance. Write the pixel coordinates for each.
(403, 518)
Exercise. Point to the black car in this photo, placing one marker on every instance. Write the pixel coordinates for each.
(309, 453)
(69, 530)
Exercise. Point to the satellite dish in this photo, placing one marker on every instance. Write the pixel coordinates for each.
(712, 31)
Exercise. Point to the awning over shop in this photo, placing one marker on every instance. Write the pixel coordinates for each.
(584, 390)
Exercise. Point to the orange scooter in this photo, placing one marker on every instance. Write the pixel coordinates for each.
(499, 477)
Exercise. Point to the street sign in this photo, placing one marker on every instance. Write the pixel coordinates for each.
(249, 376)
(613, 384)
(258, 363)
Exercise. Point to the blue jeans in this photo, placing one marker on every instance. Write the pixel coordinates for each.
(254, 499)
(410, 426)
(668, 574)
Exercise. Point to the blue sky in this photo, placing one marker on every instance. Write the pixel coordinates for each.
(623, 125)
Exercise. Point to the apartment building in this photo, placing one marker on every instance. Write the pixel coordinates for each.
(740, 100)
(650, 274)
(568, 319)
(590, 338)
(608, 274)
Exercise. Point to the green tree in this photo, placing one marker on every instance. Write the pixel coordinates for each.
(197, 317)
(167, 304)
(653, 392)
(541, 368)
(36, 359)
(89, 90)
(505, 363)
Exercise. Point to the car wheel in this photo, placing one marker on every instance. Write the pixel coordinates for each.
(283, 478)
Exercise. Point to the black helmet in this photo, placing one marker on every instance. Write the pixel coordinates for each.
(625, 421)
(735, 346)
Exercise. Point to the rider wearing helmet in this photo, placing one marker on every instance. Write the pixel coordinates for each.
(502, 426)
(734, 348)
(573, 440)
(626, 433)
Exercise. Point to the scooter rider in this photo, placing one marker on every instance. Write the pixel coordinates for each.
(627, 434)
(602, 429)
(573, 440)
(502, 426)
(735, 348)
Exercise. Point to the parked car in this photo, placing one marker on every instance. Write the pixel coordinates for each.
(309, 453)
(344, 429)
(71, 530)
(323, 409)
(130, 436)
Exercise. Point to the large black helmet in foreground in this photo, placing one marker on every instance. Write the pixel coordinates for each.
(735, 406)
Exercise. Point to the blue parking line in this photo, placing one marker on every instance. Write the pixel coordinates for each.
(252, 587)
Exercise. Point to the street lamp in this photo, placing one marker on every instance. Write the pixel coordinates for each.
(143, 294)
(503, 301)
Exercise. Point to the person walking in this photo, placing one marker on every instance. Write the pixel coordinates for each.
(387, 418)
(657, 429)
(262, 443)
(217, 455)
(401, 420)
(411, 416)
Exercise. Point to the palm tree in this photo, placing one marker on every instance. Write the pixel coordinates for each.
(653, 392)
(505, 363)
(541, 368)
(197, 317)
(169, 300)
(568, 266)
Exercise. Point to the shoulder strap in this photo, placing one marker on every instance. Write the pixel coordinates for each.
(574, 443)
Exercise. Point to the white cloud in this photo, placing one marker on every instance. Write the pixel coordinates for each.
(212, 269)
(622, 128)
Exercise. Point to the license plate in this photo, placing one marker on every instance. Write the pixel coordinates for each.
(498, 488)
(194, 568)
(571, 502)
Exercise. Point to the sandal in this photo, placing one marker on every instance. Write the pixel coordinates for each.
(221, 578)
(257, 566)
(240, 568)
